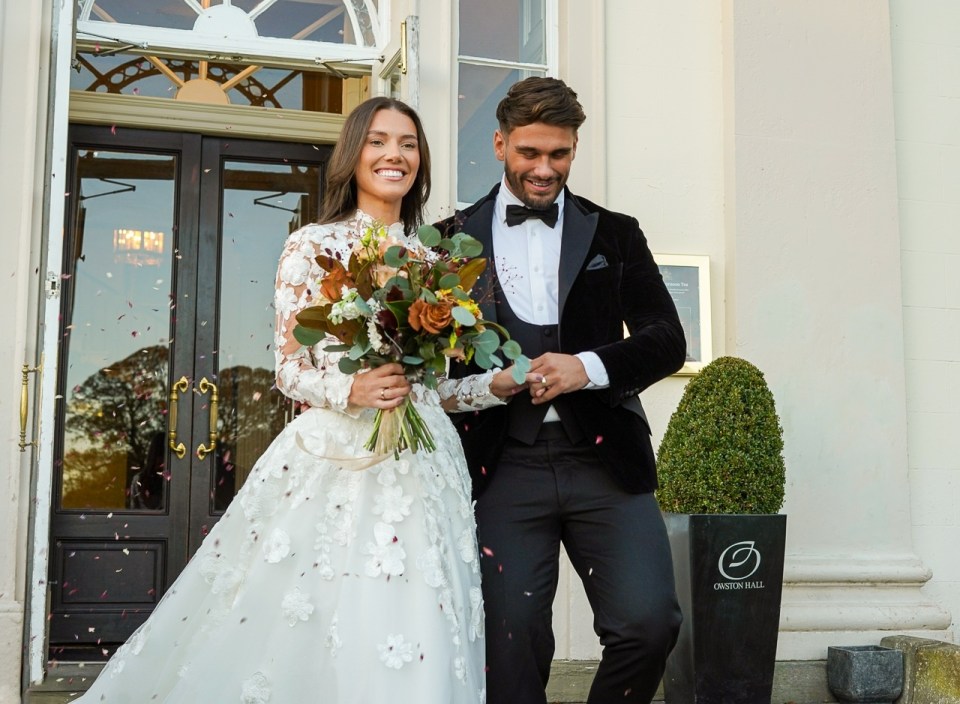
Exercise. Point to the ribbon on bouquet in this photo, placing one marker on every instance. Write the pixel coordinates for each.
(354, 464)
(386, 441)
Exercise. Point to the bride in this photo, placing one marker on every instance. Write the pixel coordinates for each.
(323, 582)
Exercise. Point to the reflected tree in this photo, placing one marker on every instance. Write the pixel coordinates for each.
(252, 413)
(112, 420)
(124, 405)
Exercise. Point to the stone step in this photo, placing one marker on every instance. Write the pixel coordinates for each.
(794, 682)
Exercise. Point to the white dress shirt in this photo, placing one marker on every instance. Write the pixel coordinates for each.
(527, 261)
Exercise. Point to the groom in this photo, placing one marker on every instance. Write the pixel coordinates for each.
(569, 460)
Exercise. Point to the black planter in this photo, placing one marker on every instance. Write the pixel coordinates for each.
(729, 574)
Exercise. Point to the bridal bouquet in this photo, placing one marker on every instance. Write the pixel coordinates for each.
(414, 306)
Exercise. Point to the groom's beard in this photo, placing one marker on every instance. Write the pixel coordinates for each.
(537, 201)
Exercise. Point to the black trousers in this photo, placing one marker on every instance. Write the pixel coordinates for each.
(551, 493)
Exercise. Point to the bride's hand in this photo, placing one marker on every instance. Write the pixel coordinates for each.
(504, 386)
(384, 387)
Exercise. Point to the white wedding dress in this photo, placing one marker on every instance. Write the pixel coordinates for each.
(323, 582)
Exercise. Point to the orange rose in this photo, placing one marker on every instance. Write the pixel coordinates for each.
(430, 317)
(335, 279)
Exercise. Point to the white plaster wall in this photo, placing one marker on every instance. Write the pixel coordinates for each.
(659, 133)
(812, 225)
(926, 82)
(21, 97)
(664, 147)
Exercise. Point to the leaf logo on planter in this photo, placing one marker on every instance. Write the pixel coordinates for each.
(739, 561)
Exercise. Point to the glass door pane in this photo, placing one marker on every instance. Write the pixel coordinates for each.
(117, 332)
(171, 247)
(262, 203)
(121, 496)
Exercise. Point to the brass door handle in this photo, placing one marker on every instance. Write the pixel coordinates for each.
(205, 386)
(181, 385)
(24, 403)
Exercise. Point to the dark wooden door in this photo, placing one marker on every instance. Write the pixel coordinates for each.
(165, 381)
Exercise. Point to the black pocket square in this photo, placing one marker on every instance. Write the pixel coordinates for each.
(598, 262)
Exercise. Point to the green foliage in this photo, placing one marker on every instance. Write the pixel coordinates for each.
(723, 448)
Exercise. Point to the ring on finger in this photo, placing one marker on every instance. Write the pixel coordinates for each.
(382, 391)
(543, 380)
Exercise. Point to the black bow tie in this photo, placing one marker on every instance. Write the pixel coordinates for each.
(517, 214)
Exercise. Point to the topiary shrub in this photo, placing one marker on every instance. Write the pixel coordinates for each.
(723, 448)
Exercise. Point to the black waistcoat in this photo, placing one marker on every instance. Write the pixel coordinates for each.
(523, 418)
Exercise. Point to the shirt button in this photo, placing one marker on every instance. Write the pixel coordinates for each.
(547, 332)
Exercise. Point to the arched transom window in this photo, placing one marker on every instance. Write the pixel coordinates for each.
(318, 31)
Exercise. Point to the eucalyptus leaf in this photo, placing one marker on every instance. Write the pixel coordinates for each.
(463, 316)
(349, 366)
(450, 280)
(429, 235)
(362, 306)
(488, 341)
(400, 282)
(482, 359)
(339, 347)
(521, 367)
(511, 350)
(396, 256)
(467, 246)
(410, 359)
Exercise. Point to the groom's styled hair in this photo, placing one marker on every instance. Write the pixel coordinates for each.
(540, 99)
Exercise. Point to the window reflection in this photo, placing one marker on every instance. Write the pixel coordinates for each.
(116, 333)
(509, 31)
(481, 88)
(262, 204)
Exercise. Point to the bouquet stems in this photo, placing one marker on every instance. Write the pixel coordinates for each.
(399, 429)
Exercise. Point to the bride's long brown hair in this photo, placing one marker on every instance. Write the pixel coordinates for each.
(340, 190)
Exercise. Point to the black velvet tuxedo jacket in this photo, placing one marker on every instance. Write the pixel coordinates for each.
(607, 277)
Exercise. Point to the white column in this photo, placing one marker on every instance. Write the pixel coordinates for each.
(437, 75)
(813, 298)
(22, 95)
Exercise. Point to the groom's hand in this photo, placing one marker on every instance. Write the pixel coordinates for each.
(557, 374)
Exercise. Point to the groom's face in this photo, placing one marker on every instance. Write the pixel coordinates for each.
(536, 161)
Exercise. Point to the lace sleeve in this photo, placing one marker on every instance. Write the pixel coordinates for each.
(306, 374)
(471, 393)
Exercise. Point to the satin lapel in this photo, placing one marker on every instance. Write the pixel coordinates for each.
(578, 231)
(479, 225)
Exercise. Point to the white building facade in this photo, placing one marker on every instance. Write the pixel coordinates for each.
(155, 153)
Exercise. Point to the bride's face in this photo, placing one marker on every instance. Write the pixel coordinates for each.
(389, 161)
